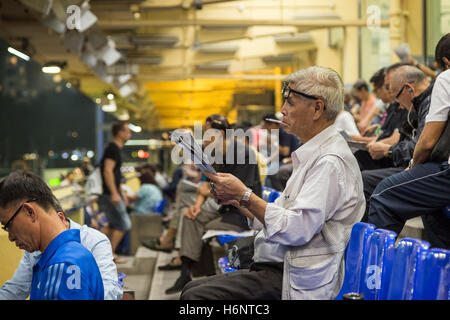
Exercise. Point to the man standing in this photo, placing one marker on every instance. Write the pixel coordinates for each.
(299, 250)
(66, 270)
(112, 202)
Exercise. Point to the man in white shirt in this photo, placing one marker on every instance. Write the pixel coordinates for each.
(299, 249)
(424, 189)
(19, 287)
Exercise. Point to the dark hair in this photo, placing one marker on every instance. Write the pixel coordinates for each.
(360, 84)
(218, 122)
(147, 177)
(378, 78)
(118, 126)
(20, 185)
(442, 50)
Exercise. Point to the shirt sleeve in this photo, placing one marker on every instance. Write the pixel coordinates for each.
(440, 99)
(320, 196)
(19, 287)
(102, 253)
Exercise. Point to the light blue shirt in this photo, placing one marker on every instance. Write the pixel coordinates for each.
(148, 196)
(19, 287)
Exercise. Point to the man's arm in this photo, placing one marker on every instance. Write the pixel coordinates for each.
(108, 174)
(19, 287)
(427, 140)
(102, 253)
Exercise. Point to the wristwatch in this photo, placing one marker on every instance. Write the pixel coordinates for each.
(245, 201)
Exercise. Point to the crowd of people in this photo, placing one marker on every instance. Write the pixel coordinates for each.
(375, 153)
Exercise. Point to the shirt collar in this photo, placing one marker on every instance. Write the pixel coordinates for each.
(309, 148)
(61, 239)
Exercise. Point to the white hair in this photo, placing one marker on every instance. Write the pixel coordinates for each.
(321, 82)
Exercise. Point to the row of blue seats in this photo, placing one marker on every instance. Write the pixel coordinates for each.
(378, 270)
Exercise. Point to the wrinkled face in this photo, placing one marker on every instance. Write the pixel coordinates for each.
(403, 94)
(23, 229)
(298, 114)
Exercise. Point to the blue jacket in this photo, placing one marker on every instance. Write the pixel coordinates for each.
(66, 271)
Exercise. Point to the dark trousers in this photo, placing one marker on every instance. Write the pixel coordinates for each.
(366, 162)
(421, 191)
(371, 178)
(263, 281)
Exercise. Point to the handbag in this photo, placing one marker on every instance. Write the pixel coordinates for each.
(441, 151)
(240, 252)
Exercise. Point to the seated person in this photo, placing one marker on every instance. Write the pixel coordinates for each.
(19, 287)
(377, 156)
(424, 189)
(300, 246)
(196, 220)
(416, 100)
(368, 109)
(29, 214)
(148, 194)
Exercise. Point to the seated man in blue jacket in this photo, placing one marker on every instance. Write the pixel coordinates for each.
(66, 269)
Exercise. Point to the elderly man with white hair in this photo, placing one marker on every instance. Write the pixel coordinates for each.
(300, 245)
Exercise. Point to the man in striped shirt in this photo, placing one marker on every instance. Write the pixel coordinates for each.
(66, 269)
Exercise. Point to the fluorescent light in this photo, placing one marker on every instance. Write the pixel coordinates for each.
(18, 53)
(137, 143)
(51, 69)
(134, 128)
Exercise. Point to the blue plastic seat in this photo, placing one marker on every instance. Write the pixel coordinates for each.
(273, 196)
(266, 193)
(224, 265)
(225, 238)
(407, 267)
(159, 208)
(355, 255)
(377, 268)
(447, 211)
(433, 281)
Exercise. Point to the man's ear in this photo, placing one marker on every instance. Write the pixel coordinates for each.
(30, 211)
(319, 109)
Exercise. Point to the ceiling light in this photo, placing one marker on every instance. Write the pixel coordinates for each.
(51, 69)
(110, 96)
(134, 128)
(18, 53)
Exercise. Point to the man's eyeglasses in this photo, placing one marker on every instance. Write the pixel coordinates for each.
(8, 223)
(286, 91)
(400, 92)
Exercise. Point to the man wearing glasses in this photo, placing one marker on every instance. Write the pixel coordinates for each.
(66, 270)
(299, 249)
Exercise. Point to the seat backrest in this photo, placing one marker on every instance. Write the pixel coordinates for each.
(273, 196)
(377, 267)
(433, 281)
(447, 211)
(406, 268)
(159, 208)
(266, 193)
(355, 254)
